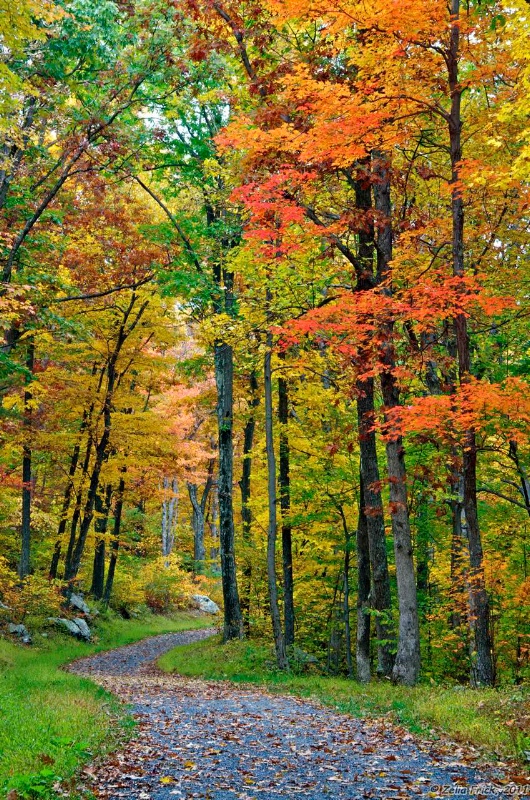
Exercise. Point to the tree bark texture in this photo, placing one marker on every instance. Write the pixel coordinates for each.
(27, 475)
(363, 593)
(224, 376)
(406, 668)
(245, 486)
(285, 507)
(279, 640)
(482, 667)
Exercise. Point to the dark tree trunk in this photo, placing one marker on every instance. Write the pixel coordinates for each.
(69, 490)
(67, 498)
(373, 511)
(101, 450)
(407, 664)
(279, 641)
(373, 514)
(346, 591)
(482, 667)
(27, 476)
(98, 570)
(363, 593)
(224, 369)
(56, 557)
(246, 512)
(102, 505)
(118, 509)
(285, 507)
(77, 509)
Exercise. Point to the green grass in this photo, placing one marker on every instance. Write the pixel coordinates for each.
(52, 721)
(497, 721)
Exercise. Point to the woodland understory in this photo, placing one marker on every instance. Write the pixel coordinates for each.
(265, 324)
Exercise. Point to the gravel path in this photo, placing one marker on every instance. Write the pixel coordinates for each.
(217, 741)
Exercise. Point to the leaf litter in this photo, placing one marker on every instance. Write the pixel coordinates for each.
(217, 741)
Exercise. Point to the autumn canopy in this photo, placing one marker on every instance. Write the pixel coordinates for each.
(265, 322)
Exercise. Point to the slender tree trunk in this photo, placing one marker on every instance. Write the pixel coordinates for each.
(373, 514)
(67, 498)
(199, 517)
(77, 508)
(373, 511)
(279, 641)
(88, 510)
(102, 505)
(169, 517)
(246, 512)
(224, 370)
(363, 593)
(285, 506)
(56, 557)
(101, 451)
(98, 570)
(346, 591)
(482, 667)
(214, 525)
(27, 476)
(118, 509)
(407, 664)
(199, 553)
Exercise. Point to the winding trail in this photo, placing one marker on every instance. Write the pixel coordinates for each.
(217, 741)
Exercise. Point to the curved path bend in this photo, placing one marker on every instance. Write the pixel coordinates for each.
(217, 741)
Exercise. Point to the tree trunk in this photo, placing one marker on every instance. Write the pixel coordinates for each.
(346, 592)
(246, 512)
(199, 518)
(363, 593)
(101, 453)
(407, 664)
(285, 506)
(169, 517)
(224, 368)
(482, 668)
(373, 514)
(199, 553)
(214, 525)
(77, 508)
(69, 490)
(279, 641)
(102, 505)
(118, 508)
(373, 511)
(27, 476)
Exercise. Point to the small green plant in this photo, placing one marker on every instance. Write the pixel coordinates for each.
(39, 784)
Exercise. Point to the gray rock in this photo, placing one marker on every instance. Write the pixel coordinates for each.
(83, 627)
(73, 627)
(77, 602)
(3, 607)
(21, 631)
(204, 604)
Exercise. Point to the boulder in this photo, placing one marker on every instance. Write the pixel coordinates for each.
(83, 627)
(3, 607)
(21, 631)
(77, 602)
(73, 626)
(204, 604)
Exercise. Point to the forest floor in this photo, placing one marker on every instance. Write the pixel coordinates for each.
(218, 741)
(52, 721)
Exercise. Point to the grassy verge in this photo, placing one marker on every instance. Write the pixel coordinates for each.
(52, 721)
(496, 721)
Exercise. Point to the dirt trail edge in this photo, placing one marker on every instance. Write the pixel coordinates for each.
(217, 741)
